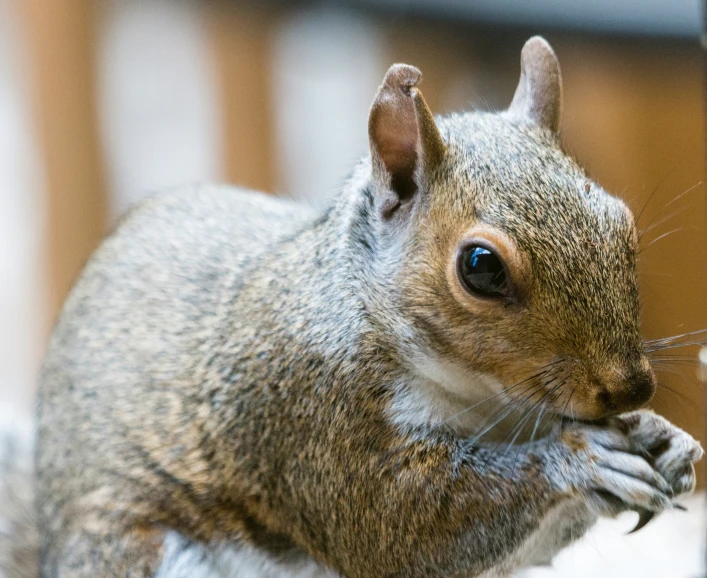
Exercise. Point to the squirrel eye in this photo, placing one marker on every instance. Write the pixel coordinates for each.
(482, 272)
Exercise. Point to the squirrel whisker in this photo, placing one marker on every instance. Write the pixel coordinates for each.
(668, 359)
(538, 420)
(653, 192)
(663, 220)
(677, 230)
(516, 403)
(563, 414)
(521, 423)
(513, 407)
(652, 226)
(663, 347)
(674, 337)
(528, 414)
(685, 192)
(543, 371)
(677, 394)
(506, 411)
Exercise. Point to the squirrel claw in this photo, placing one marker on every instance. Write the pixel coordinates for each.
(644, 516)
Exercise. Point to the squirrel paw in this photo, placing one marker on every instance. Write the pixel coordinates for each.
(668, 449)
(638, 461)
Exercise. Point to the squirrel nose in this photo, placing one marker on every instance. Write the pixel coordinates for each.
(632, 392)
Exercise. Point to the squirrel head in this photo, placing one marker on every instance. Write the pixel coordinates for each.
(502, 258)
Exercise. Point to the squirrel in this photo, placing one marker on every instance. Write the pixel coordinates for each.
(439, 374)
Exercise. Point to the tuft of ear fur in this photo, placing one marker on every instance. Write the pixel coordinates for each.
(405, 141)
(538, 98)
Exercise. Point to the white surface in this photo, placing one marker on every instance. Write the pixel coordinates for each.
(670, 546)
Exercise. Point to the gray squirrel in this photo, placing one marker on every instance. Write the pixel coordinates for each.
(439, 375)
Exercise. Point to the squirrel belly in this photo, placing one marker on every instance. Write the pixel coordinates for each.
(409, 382)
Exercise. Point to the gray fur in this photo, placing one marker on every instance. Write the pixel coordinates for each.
(18, 529)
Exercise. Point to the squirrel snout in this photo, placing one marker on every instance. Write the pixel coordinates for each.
(630, 392)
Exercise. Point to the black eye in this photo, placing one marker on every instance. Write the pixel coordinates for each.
(482, 272)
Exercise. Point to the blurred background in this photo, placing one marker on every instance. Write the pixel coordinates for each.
(105, 101)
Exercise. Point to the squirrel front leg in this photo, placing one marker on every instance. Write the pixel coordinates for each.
(439, 507)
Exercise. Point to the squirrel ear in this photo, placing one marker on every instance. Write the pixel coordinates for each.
(404, 139)
(538, 98)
